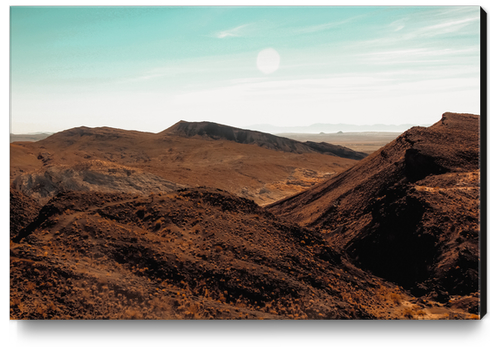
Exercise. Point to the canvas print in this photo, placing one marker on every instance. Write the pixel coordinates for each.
(311, 163)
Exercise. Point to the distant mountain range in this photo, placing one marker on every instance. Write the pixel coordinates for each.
(273, 129)
(248, 163)
(332, 128)
(29, 137)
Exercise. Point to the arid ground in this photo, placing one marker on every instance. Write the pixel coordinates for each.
(205, 221)
(367, 142)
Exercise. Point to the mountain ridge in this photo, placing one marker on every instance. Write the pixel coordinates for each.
(392, 211)
(191, 254)
(393, 236)
(218, 131)
(105, 158)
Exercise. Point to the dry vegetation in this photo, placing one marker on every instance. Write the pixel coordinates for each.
(195, 254)
(334, 252)
(408, 213)
(100, 159)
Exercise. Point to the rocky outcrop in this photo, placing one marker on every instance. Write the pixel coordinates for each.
(90, 176)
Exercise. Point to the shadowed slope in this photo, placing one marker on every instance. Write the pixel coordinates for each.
(23, 210)
(410, 211)
(195, 254)
(218, 131)
(202, 253)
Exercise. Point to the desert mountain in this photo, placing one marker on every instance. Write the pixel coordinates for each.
(107, 159)
(218, 132)
(195, 254)
(114, 224)
(409, 212)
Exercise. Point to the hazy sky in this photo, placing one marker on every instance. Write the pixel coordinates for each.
(149, 67)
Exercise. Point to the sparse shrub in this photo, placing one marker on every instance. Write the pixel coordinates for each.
(158, 225)
(132, 314)
(30, 286)
(396, 298)
(408, 313)
(454, 315)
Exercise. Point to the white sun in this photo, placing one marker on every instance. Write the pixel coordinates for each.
(268, 60)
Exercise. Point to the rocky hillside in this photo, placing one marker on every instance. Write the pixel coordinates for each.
(194, 254)
(23, 210)
(92, 175)
(107, 159)
(409, 212)
(102, 227)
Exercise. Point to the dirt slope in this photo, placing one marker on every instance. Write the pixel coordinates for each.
(194, 254)
(23, 210)
(393, 237)
(409, 212)
(100, 158)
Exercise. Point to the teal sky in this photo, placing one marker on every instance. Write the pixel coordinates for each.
(145, 68)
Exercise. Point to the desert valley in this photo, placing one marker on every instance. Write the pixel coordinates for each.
(207, 221)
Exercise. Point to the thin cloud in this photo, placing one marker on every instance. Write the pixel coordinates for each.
(453, 25)
(339, 88)
(234, 32)
(398, 24)
(421, 52)
(433, 31)
(325, 26)
(316, 28)
(416, 56)
(443, 28)
(155, 73)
